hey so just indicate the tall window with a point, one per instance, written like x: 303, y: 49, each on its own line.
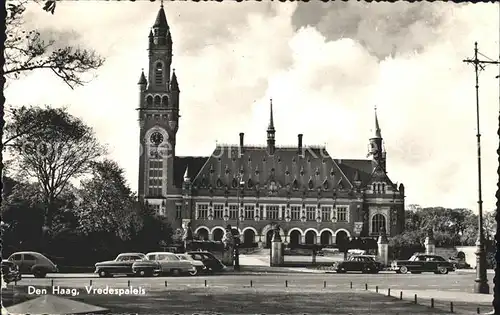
x: 295, y: 213
x: 178, y: 211
x: 155, y: 177
x: 325, y: 213
x: 272, y: 212
x: 378, y: 221
x: 159, y: 73
x: 310, y: 213
x: 218, y: 211
x: 342, y: 215
x: 202, y: 209
x: 249, y: 212
x: 233, y: 212
x: 157, y: 208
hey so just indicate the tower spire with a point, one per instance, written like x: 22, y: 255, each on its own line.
x: 270, y: 130
x: 378, y: 133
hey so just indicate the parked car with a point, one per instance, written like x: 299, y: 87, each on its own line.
x: 419, y: 263
x: 10, y: 271
x: 363, y: 263
x: 212, y: 263
x: 459, y: 263
x: 33, y: 263
x: 127, y: 264
x: 171, y: 264
x: 199, y: 265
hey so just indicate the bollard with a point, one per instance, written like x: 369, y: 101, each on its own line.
x: 205, y: 282
x: 351, y: 284
x: 389, y: 292
x: 90, y: 282
x: 366, y: 286
x: 128, y: 283
x: 376, y: 288
x: 415, y: 299
x: 432, y: 303
x: 478, y: 311
x: 286, y: 283
x: 52, y: 282
x: 451, y: 307
x: 166, y: 283
x: 251, y: 283
x: 15, y: 282
x: 401, y: 295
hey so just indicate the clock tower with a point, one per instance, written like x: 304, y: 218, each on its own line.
x: 158, y: 117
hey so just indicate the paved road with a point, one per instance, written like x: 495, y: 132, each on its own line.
x: 452, y: 282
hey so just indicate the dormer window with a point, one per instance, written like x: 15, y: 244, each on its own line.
x: 295, y: 184
x: 234, y: 183
x: 219, y: 183
x: 249, y: 183
x: 159, y: 73
x: 310, y: 184
x: 325, y: 185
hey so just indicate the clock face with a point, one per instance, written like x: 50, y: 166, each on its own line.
x: 156, y: 138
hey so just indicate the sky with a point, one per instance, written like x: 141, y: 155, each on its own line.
x: 325, y: 65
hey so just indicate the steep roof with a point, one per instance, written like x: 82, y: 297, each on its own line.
x: 316, y: 169
x: 161, y: 19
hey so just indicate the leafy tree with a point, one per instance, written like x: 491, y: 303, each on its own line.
x: 107, y: 204
x: 489, y: 224
x: 61, y: 150
x: 26, y: 51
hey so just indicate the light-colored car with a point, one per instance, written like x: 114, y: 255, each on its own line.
x: 34, y: 263
x: 199, y: 265
x: 171, y: 264
x: 127, y: 264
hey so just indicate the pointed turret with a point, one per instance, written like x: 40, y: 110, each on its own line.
x: 378, y: 133
x: 142, y: 79
x: 186, y: 175
x: 174, y: 85
x: 271, y: 132
x: 377, y: 150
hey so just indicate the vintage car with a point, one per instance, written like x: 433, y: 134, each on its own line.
x: 171, y: 264
x: 200, y: 266
x: 127, y: 264
x: 212, y: 263
x: 10, y: 271
x: 34, y: 263
x: 419, y: 263
x: 363, y: 263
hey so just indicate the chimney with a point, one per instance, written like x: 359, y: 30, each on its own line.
x: 299, y: 148
x: 241, y: 142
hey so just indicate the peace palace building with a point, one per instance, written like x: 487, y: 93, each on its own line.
x: 314, y: 197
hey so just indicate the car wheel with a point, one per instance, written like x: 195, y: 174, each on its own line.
x: 193, y: 272
x: 39, y: 273
x: 442, y: 270
x: 403, y: 269
x: 103, y: 274
x: 341, y: 270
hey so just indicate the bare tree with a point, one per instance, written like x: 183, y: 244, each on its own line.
x: 26, y: 50
x: 62, y: 149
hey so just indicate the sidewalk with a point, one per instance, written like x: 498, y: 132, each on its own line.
x: 466, y: 271
x: 458, y: 302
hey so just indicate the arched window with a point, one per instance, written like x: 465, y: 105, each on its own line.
x: 378, y: 222
x: 159, y: 73
x: 383, y: 188
x: 157, y: 101
x: 310, y: 184
x: 149, y: 100
x: 295, y: 184
x: 164, y: 101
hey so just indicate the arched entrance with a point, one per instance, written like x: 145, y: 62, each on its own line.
x: 326, y: 238
x: 341, y: 238
x: 202, y: 234
x: 310, y: 237
x: 248, y: 237
x: 295, y: 237
x: 218, y: 234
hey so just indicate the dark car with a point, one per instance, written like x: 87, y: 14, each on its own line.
x: 365, y: 264
x: 10, y: 271
x: 34, y: 263
x: 419, y: 263
x: 127, y: 264
x: 212, y: 263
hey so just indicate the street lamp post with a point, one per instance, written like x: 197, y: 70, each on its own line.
x: 481, y: 282
x: 237, y: 244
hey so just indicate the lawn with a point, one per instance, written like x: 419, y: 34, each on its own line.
x: 243, y: 301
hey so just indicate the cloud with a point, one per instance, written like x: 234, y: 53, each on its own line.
x: 324, y: 65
